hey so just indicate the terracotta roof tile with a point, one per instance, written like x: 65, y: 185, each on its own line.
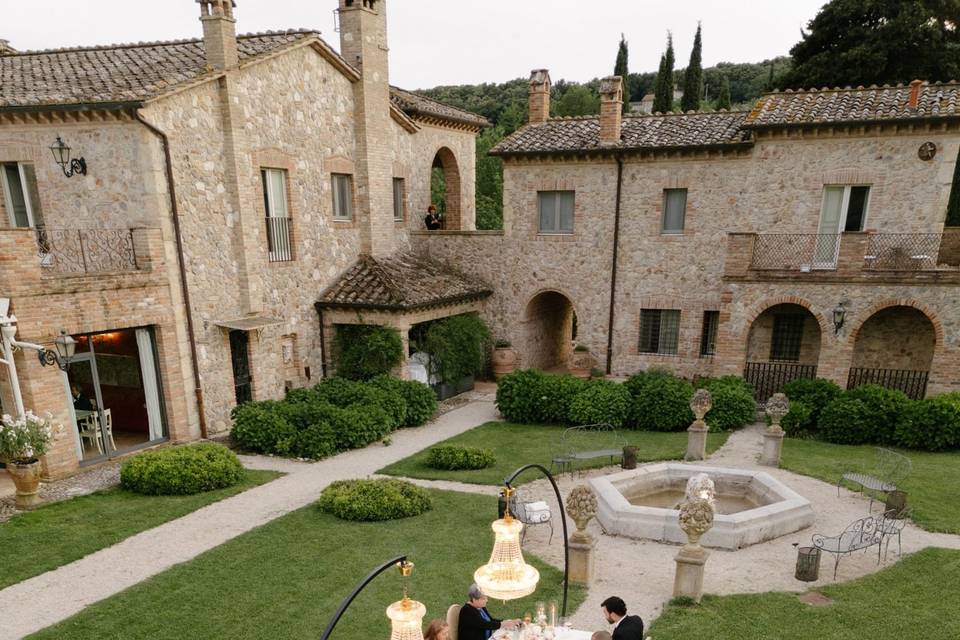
x: 401, y: 282
x: 568, y: 135
x: 416, y: 105
x: 827, y: 106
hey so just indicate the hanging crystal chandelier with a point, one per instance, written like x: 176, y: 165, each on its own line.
x: 506, y: 576
x: 406, y: 615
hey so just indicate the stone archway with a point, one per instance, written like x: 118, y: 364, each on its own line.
x: 445, y: 188
x: 547, y: 331
x: 894, y: 348
x: 783, y: 344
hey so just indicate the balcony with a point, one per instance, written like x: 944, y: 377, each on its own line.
x: 855, y: 255
x: 86, y: 251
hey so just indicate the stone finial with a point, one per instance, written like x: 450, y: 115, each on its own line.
x: 777, y: 406
x: 701, y: 487
x: 581, y: 507
x: 539, y: 99
x: 700, y: 403
x: 696, y: 518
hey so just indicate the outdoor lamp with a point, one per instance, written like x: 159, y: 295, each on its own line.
x: 506, y: 576
x: 61, y: 155
x: 839, y: 313
x: 406, y: 615
x: 65, y: 346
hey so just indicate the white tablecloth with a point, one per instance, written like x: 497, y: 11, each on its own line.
x: 561, y: 634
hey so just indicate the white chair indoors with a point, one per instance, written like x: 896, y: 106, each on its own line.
x: 89, y: 428
x: 108, y: 419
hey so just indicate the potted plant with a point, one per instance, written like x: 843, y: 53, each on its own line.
x: 504, y: 358
x: 22, y: 442
x: 581, y: 362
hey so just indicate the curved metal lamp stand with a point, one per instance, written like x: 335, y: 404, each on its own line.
x: 349, y: 599
x: 563, y: 521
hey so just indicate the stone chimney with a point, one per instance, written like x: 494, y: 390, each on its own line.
x: 5, y: 47
x: 914, y: 94
x: 539, y: 96
x: 363, y: 44
x: 219, y: 33
x: 611, y: 109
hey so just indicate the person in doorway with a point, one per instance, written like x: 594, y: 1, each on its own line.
x: 475, y: 622
x: 624, y: 627
x: 432, y: 220
x: 80, y: 401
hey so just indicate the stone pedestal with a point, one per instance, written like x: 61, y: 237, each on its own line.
x: 581, y: 558
x: 696, y: 441
x: 688, y: 580
x: 772, y: 446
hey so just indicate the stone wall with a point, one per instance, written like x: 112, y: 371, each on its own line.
x: 760, y: 339
x: 895, y: 338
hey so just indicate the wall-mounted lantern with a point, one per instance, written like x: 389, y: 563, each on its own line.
x: 61, y: 154
x: 839, y: 314
x: 65, y: 346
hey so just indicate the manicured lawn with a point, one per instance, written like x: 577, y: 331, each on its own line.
x: 286, y: 578
x: 517, y: 444
x: 911, y: 600
x: 931, y: 487
x: 57, y: 534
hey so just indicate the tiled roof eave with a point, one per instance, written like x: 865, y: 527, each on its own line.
x: 622, y: 150
x: 73, y: 106
x: 827, y: 124
x: 404, y: 307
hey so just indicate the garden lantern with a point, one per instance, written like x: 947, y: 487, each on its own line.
x: 61, y: 155
x: 65, y: 346
x: 506, y: 576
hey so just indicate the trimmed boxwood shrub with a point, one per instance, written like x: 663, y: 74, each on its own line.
x: 932, y: 424
x: 798, y: 422
x: 660, y: 402
x: 519, y: 395
x: 846, y: 420
x: 344, y: 393
x: 886, y: 407
x: 261, y: 428
x: 373, y: 500
x: 600, y: 401
x: 556, y: 399
x: 457, y: 458
x: 733, y: 403
x: 182, y: 470
x: 420, y: 400
x: 816, y: 393
x: 365, y: 351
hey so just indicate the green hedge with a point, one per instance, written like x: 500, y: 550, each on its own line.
x: 335, y: 415
x: 798, y: 422
x: 366, y: 351
x: 846, y: 420
x: 815, y: 393
x: 885, y: 409
x: 453, y: 458
x: 661, y: 402
x: 600, y: 401
x: 182, y: 470
x: 932, y: 424
x: 373, y: 500
x: 733, y: 403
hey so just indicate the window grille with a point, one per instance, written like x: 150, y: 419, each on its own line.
x: 787, y: 337
x: 279, y: 247
x: 708, y: 339
x: 659, y: 331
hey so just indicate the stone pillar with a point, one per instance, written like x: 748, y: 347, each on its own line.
x: 777, y: 407
x: 688, y: 580
x: 581, y: 507
x: 700, y: 404
x: 696, y: 518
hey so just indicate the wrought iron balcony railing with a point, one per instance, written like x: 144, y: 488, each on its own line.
x: 902, y: 252
x: 80, y: 251
x: 878, y: 251
x: 795, y: 251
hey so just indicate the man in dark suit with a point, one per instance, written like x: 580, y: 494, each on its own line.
x: 475, y: 622
x: 624, y: 627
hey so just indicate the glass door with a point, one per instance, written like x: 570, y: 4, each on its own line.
x: 84, y: 394
x: 827, y: 245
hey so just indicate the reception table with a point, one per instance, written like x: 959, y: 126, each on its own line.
x: 560, y: 634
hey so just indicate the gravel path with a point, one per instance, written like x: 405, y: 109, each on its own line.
x: 54, y: 596
x: 642, y: 571
x: 102, y: 476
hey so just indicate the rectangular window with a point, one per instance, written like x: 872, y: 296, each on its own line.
x: 555, y: 210
x: 674, y: 210
x: 20, y: 195
x: 659, y: 331
x: 708, y: 340
x: 342, y: 196
x: 787, y: 337
x: 278, y: 216
x: 399, y: 190
x: 844, y: 209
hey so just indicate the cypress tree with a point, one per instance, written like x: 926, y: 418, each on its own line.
x: 663, y: 96
x: 693, y: 78
x: 620, y: 69
x: 723, y: 102
x: 769, y: 86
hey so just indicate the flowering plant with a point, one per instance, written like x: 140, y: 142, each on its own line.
x: 24, y: 440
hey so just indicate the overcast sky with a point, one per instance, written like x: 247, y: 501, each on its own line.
x: 435, y: 42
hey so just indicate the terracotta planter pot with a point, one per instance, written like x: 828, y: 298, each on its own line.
x: 504, y: 361
x: 580, y: 364
x: 26, y: 477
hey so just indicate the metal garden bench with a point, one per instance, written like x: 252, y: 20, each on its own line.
x: 587, y: 442
x: 862, y: 534
x: 891, y: 469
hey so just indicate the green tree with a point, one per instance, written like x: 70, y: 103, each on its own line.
x: 864, y: 42
x: 770, y: 83
x: 489, y: 188
x: 693, y: 77
x: 620, y: 69
x: 578, y: 100
x: 723, y: 102
x: 663, y: 92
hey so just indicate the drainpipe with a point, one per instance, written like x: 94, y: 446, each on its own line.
x: 323, y: 345
x: 181, y: 264
x: 613, y: 267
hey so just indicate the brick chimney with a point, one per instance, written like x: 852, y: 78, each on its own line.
x: 611, y: 109
x: 539, y: 96
x: 914, y: 94
x: 219, y: 33
x: 5, y: 47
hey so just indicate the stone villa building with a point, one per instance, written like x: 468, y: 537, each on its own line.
x: 243, y: 195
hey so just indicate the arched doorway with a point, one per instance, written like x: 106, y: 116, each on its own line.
x: 445, y: 187
x: 894, y: 349
x: 783, y: 344
x: 548, y: 331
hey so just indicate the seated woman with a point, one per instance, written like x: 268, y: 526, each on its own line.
x: 438, y: 630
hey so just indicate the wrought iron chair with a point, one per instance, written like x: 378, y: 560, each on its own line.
x: 891, y: 524
x: 861, y: 534
x: 892, y: 468
x: 530, y: 512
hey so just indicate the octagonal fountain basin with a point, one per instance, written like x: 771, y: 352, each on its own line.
x: 751, y: 506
